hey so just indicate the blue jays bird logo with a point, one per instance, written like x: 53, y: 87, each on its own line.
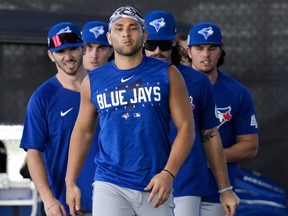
x: 158, y: 24
x: 223, y: 114
x: 206, y: 32
x: 64, y: 30
x: 97, y: 31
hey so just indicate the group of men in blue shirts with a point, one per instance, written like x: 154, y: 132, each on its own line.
x: 138, y: 122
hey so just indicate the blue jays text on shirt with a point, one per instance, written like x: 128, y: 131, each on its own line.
x: 130, y: 94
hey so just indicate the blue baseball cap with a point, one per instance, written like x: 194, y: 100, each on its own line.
x: 95, y: 32
x: 160, y: 25
x: 64, y: 35
x: 205, y: 33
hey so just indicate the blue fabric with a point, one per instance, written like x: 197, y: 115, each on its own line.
x: 236, y: 114
x: 65, y: 27
x: 192, y: 178
x: 134, y: 119
x: 205, y: 33
x: 50, y: 117
x: 160, y: 25
x: 259, y: 195
x: 95, y: 32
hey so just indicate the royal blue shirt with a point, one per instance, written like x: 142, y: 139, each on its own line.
x: 236, y: 116
x: 192, y: 179
x: 50, y: 117
x: 134, y: 118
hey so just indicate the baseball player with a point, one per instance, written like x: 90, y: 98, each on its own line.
x: 193, y: 178
x: 96, y: 50
x: 234, y: 107
x: 133, y: 97
x: 50, y: 116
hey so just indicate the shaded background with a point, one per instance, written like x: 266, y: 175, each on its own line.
x: 255, y: 36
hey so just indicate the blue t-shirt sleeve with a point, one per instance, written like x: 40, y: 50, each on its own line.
x: 35, y: 127
x: 246, y: 122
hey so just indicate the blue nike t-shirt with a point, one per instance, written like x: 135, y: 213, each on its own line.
x: 236, y: 116
x: 134, y: 119
x: 50, y: 117
x: 193, y: 177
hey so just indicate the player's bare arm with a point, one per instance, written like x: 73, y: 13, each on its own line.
x: 213, y: 148
x: 246, y: 148
x: 182, y: 116
x: 37, y: 171
x: 183, y: 119
x: 81, y: 137
x: 217, y: 162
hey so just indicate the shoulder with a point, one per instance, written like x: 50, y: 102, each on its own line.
x: 154, y: 61
x: 102, y: 67
x: 232, y: 84
x: 193, y: 75
x: 47, y: 88
x: 230, y: 81
x: 45, y: 92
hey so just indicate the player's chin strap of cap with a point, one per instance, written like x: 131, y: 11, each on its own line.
x: 127, y: 12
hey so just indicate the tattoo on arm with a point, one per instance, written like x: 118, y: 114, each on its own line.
x: 206, y: 135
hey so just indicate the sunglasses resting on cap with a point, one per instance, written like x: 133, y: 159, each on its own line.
x: 164, y: 45
x: 64, y: 38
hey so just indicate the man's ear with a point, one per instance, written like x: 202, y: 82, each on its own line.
x: 111, y: 50
x: 220, y: 53
x: 50, y: 54
x: 174, y: 42
x: 145, y: 36
x: 188, y: 49
x: 108, y: 35
x: 84, y: 49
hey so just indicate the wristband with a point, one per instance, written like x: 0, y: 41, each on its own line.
x: 225, y: 189
x: 169, y: 173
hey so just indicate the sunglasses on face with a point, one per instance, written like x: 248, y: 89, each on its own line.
x: 63, y: 38
x: 164, y: 45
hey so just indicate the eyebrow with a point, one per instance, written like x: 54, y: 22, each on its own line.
x: 99, y: 45
x: 131, y: 24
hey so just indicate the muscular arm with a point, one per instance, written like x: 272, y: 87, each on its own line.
x: 245, y: 148
x: 80, y: 142
x: 38, y: 174
x: 182, y: 116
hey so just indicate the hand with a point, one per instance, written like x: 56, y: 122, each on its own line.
x: 161, y: 185
x: 54, y: 208
x: 73, y: 197
x: 229, y: 200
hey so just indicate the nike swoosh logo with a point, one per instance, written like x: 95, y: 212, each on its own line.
x: 125, y: 80
x: 65, y: 113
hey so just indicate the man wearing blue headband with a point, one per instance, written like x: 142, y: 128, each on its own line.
x: 133, y: 97
x: 50, y: 116
x: 193, y: 178
x: 234, y: 108
x: 96, y: 50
